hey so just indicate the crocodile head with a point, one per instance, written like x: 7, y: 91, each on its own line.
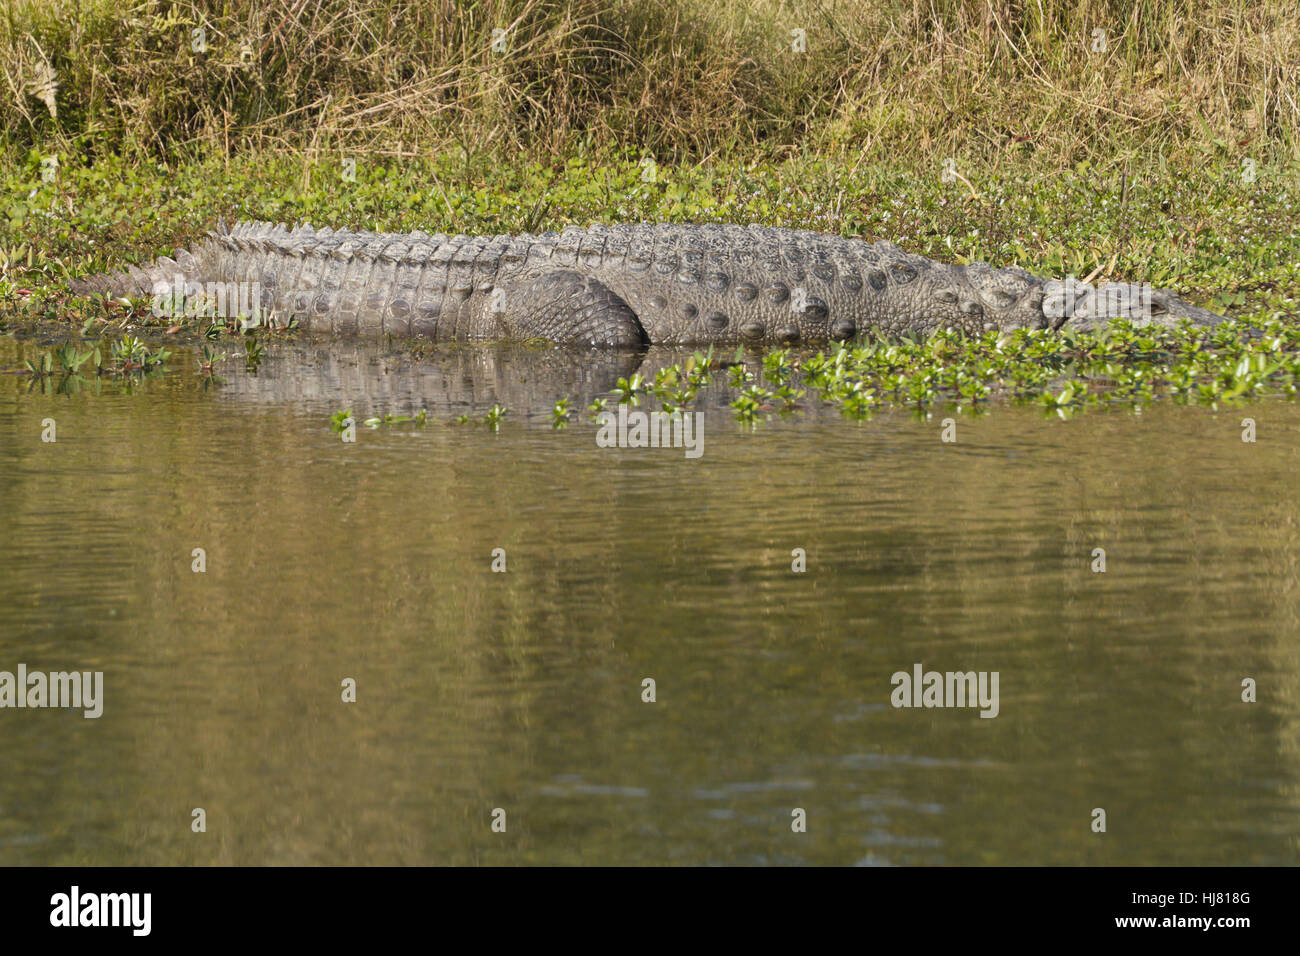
x: 1015, y: 299
x: 1083, y: 307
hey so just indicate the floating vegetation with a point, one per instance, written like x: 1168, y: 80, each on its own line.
x: 419, y: 418
x: 629, y: 390
x: 209, y: 361
x: 340, y: 421
x: 561, y: 413
x: 1063, y: 372
x: 65, y: 370
x: 254, y: 352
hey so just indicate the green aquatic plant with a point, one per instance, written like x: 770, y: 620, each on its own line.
x: 128, y: 355
x: 65, y: 359
x: 1063, y: 372
x: 1068, y: 400
x: 341, y: 420
x: 42, y: 365
x: 629, y: 390
x: 561, y: 412
x: 699, y: 368
x: 738, y: 376
x: 375, y: 421
x: 210, y: 359
x: 750, y: 402
x: 129, y: 358
x: 777, y: 366
x: 254, y: 352
x: 128, y: 350
x: 788, y: 396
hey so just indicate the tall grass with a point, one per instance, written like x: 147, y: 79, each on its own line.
x: 912, y: 81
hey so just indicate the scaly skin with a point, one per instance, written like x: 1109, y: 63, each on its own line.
x: 622, y: 285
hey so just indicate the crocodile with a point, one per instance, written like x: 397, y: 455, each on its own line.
x: 626, y: 285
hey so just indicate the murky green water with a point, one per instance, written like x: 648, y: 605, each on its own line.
x: 523, y: 690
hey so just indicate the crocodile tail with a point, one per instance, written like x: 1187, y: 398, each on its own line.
x: 135, y: 282
x: 150, y: 279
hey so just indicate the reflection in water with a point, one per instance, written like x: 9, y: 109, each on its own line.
x: 523, y: 690
x: 384, y: 379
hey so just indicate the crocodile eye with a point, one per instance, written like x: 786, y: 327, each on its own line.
x: 947, y: 296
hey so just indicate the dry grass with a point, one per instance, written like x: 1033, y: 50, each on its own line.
x: 910, y: 81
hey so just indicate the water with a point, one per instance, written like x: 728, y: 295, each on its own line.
x: 523, y: 690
